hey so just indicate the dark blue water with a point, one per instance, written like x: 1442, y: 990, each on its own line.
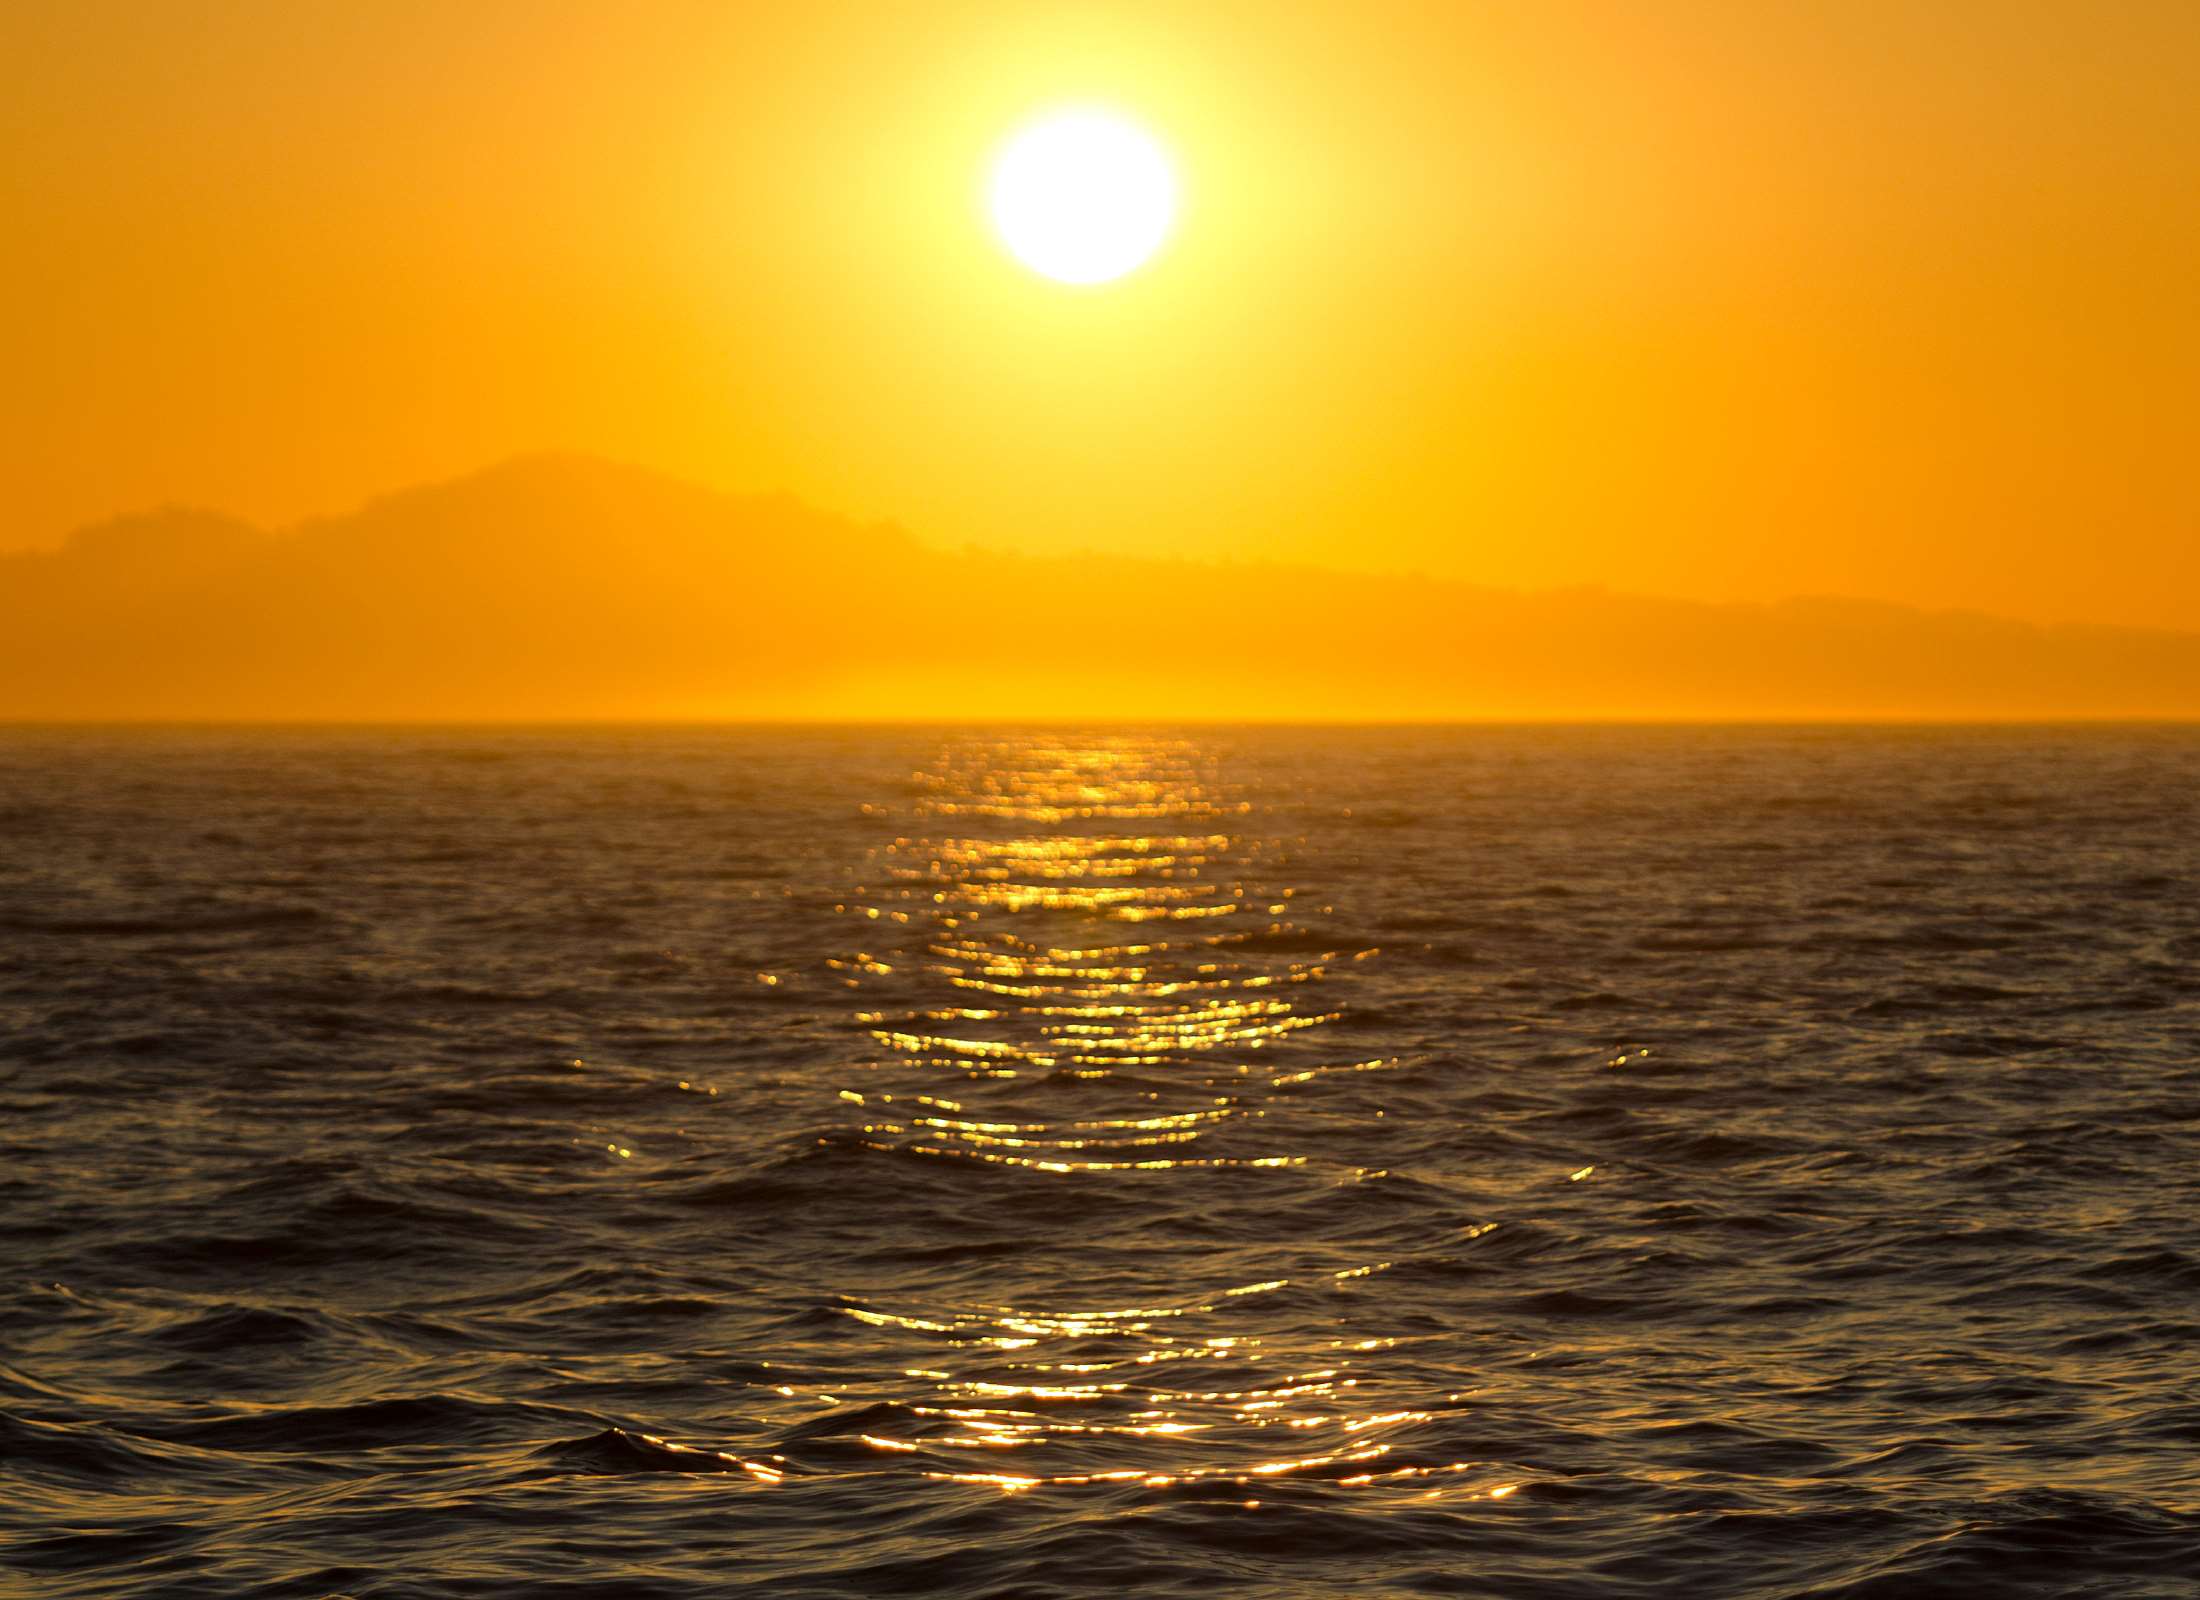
x: 1520, y: 1163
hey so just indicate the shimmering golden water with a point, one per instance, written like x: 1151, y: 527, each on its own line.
x: 1117, y: 917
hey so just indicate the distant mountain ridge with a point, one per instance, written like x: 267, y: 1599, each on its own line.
x: 564, y: 586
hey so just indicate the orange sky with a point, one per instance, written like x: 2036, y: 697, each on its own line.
x: 1722, y: 300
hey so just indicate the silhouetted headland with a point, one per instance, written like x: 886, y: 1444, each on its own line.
x: 562, y: 586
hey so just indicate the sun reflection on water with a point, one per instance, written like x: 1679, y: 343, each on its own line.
x: 1077, y: 958
x: 1008, y: 893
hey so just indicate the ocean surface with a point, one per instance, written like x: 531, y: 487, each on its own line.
x: 1505, y: 1162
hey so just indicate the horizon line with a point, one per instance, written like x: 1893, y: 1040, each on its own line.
x: 828, y: 724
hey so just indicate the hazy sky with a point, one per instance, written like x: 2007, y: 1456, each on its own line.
x: 1872, y: 297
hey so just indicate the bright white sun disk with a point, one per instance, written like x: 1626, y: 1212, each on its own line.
x: 1083, y: 196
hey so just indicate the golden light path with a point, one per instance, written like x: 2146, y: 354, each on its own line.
x: 1083, y: 196
x: 1090, y: 970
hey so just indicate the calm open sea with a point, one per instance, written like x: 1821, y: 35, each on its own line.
x: 1500, y: 1162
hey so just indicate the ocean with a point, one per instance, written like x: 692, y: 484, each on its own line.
x: 1514, y: 1162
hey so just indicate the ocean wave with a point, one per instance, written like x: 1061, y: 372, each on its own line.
x: 1043, y: 1163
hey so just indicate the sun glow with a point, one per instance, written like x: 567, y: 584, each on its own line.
x: 1083, y: 196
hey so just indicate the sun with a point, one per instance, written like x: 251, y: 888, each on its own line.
x: 1082, y: 196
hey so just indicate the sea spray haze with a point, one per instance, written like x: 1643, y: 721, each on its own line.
x: 1517, y: 1163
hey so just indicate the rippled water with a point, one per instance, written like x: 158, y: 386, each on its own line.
x: 1480, y: 1162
